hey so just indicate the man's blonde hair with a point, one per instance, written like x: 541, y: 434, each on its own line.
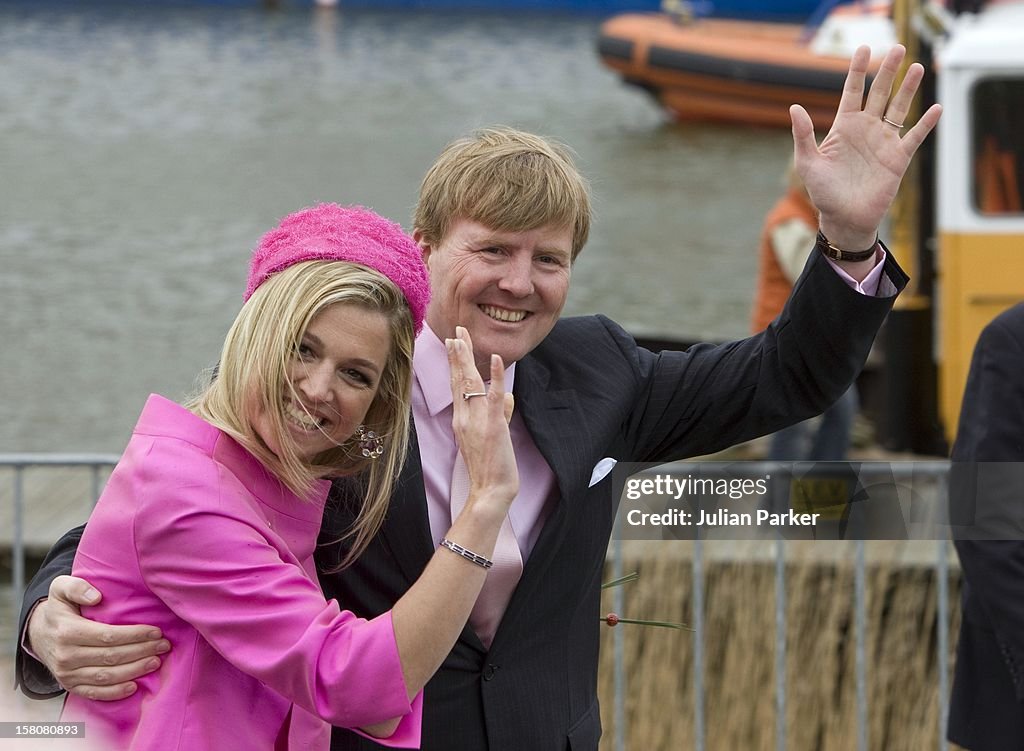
x: 252, y: 377
x: 507, y: 180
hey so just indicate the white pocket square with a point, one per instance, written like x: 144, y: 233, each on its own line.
x: 601, y: 470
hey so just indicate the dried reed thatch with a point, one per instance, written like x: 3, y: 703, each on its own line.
x: 739, y: 659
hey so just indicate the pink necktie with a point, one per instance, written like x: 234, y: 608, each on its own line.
x: 502, y: 577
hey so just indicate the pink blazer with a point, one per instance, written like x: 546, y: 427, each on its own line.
x: 193, y: 535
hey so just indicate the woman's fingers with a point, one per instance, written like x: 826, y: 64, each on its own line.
x: 463, y: 375
x: 510, y: 405
x: 497, y: 380
x: 480, y: 417
x: 466, y: 383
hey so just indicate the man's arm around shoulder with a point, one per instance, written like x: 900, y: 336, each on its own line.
x: 59, y: 649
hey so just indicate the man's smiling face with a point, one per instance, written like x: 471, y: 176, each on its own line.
x: 506, y: 288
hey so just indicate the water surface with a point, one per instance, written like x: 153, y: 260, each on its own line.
x: 144, y: 151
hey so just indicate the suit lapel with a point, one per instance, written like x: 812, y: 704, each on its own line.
x: 551, y: 418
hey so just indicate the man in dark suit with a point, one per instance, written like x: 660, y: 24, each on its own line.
x: 501, y: 218
x: 986, y: 710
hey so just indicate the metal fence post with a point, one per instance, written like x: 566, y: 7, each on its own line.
x: 18, y: 544
x: 698, y: 644
x: 618, y: 638
x: 861, y: 638
x: 780, y: 643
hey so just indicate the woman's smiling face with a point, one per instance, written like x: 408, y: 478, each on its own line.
x: 334, y: 375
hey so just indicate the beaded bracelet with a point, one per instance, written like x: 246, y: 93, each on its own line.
x: 469, y: 555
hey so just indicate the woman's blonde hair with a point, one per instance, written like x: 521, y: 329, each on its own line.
x: 252, y: 378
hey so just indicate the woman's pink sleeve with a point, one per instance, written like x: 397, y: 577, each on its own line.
x: 211, y: 558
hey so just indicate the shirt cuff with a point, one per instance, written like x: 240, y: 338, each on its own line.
x: 24, y: 634
x: 872, y: 285
x: 35, y: 676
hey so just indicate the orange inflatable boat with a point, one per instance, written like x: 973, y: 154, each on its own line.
x: 742, y: 71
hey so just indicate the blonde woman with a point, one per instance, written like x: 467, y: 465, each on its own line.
x: 207, y: 527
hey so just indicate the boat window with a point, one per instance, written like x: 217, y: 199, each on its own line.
x: 998, y: 127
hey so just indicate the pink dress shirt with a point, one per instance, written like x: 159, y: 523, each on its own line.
x: 432, y: 413
x: 875, y: 284
x: 193, y: 535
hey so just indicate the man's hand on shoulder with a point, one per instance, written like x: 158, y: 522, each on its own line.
x: 92, y: 660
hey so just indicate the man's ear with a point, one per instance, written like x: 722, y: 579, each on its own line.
x: 425, y: 247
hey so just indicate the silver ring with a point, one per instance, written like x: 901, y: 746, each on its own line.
x: 887, y: 121
x: 471, y: 394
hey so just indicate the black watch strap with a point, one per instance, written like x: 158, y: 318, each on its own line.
x: 838, y: 254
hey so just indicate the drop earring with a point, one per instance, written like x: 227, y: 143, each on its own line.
x: 370, y: 444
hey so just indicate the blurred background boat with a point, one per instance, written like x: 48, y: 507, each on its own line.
x: 774, y: 10
x: 749, y: 72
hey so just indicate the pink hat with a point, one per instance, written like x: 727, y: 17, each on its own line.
x: 329, y: 232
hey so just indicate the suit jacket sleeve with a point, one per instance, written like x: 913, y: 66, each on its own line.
x: 31, y: 675
x: 986, y: 481
x: 711, y: 397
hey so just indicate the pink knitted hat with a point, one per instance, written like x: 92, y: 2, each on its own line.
x: 329, y: 232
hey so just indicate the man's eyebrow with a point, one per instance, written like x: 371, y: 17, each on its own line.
x: 492, y: 241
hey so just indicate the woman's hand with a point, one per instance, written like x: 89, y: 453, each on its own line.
x: 480, y: 419
x: 430, y: 616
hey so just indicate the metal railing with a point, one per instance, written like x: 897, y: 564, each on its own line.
x: 96, y: 463
x: 937, y: 471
